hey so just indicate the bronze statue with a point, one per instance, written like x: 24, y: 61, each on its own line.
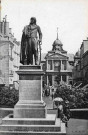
x: 31, y: 38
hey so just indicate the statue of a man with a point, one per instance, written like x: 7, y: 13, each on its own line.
x: 31, y: 37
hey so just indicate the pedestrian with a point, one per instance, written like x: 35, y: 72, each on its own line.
x: 67, y: 109
x: 66, y: 112
x: 48, y: 91
x: 52, y: 94
x: 43, y: 93
x: 65, y: 120
x: 60, y: 111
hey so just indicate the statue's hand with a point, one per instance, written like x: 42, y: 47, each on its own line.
x: 40, y: 42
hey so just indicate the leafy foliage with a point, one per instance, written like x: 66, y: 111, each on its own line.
x: 77, y: 98
x: 8, y: 97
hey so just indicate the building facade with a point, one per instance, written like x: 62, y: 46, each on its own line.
x: 76, y: 73
x: 80, y: 70
x: 58, y: 65
x: 9, y: 55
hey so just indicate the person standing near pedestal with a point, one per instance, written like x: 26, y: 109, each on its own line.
x: 60, y: 110
x: 31, y: 37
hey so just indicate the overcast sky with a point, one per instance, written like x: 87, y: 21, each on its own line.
x: 70, y: 16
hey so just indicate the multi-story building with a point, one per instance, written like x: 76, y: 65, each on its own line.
x: 84, y: 60
x: 84, y: 47
x: 9, y: 55
x: 58, y: 64
x: 80, y: 70
x: 76, y: 72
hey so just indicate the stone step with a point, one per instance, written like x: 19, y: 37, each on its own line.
x: 28, y: 122
x: 49, y: 120
x: 36, y: 128
x: 30, y: 133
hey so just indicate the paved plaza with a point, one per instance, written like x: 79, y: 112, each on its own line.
x: 49, y: 102
x: 75, y: 126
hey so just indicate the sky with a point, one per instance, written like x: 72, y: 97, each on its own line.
x: 70, y: 16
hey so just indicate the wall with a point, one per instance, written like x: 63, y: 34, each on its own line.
x: 4, y: 112
x: 9, y: 50
x: 4, y: 61
x: 85, y: 45
x: 79, y: 113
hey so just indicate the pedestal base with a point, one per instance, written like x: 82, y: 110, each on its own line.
x: 32, y: 126
x: 30, y: 104
x: 32, y: 109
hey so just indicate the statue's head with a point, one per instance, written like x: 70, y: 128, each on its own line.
x: 33, y: 20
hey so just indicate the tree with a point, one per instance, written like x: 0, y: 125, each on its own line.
x: 76, y: 98
x: 8, y: 97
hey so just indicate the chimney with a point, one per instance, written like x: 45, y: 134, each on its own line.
x: 6, y: 28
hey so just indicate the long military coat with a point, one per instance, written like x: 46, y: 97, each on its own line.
x: 30, y: 31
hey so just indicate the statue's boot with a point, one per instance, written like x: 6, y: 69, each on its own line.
x: 36, y: 60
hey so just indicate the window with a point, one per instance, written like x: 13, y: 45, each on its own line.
x: 10, y: 52
x: 11, y: 72
x: 49, y: 64
x: 57, y: 65
x: 64, y: 66
x: 64, y: 78
x: 50, y: 80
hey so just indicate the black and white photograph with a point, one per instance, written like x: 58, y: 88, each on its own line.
x: 43, y: 67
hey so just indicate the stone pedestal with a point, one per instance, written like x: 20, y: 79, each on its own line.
x: 29, y: 116
x: 30, y: 104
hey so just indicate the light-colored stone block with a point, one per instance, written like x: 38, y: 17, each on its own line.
x: 49, y: 120
x: 30, y: 110
x: 30, y: 90
x: 30, y: 103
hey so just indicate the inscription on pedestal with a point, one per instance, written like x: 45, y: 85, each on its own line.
x: 30, y: 90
